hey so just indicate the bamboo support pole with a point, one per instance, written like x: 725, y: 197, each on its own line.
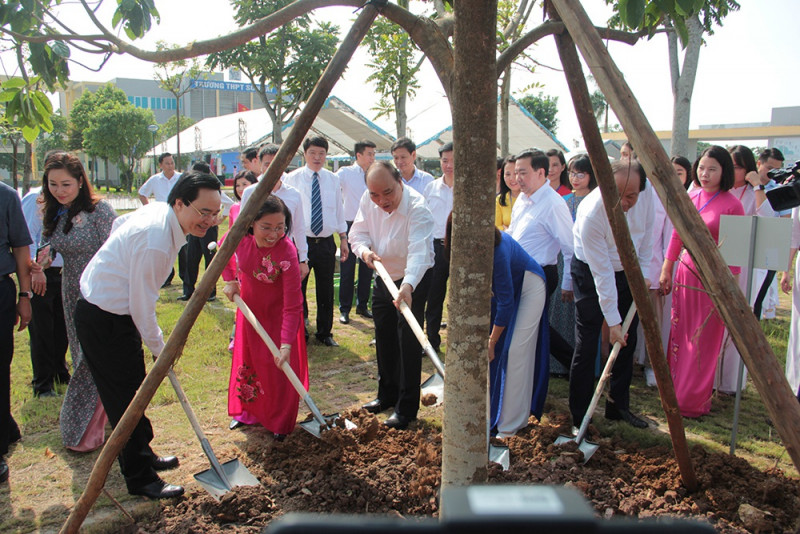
x: 734, y: 309
x: 627, y: 253
x: 177, y: 339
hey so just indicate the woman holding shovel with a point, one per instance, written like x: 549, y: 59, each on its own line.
x: 266, y: 274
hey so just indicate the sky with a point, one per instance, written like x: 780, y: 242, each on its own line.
x: 747, y: 67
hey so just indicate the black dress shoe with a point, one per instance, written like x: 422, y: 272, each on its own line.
x: 363, y: 312
x: 344, y: 318
x: 397, y: 421
x: 3, y: 470
x: 278, y: 437
x: 212, y: 298
x: 235, y: 424
x: 164, y: 463
x: 375, y: 406
x: 184, y: 297
x: 46, y: 394
x: 615, y: 414
x: 328, y: 341
x: 157, y: 490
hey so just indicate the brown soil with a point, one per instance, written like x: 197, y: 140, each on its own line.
x: 375, y: 470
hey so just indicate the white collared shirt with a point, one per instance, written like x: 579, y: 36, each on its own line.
x: 402, y: 239
x: 595, y: 246
x: 330, y: 194
x: 353, y: 182
x: 126, y: 274
x: 439, y: 197
x: 419, y: 180
x: 747, y: 196
x: 32, y: 211
x: 291, y: 197
x: 159, y: 186
x: 542, y: 224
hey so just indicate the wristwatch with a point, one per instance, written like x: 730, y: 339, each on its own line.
x: 26, y: 294
x: 760, y: 187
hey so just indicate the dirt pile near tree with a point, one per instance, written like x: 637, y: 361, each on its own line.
x: 379, y: 471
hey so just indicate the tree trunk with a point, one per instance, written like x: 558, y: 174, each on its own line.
x: 178, y: 136
x: 474, y: 109
x: 27, y: 169
x: 717, y: 280
x: 683, y: 85
x: 505, y: 99
x: 400, y: 114
x: 15, y: 161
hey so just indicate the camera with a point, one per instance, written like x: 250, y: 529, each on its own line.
x: 787, y: 195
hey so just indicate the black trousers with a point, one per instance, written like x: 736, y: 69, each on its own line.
x: 762, y: 293
x: 321, y: 260
x: 112, y: 347
x: 347, y: 281
x: 8, y: 314
x: 436, y: 295
x: 560, y: 348
x: 196, y: 248
x: 181, y: 266
x: 48, y: 336
x: 399, y: 353
x: 588, y: 326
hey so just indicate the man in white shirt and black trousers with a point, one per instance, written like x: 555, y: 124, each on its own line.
x: 324, y: 215
x: 117, y: 312
x: 601, y: 292
x: 394, y: 226
x: 542, y: 225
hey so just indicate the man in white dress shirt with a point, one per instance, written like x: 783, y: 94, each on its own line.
x: 117, y: 312
x: 541, y: 223
x: 324, y: 214
x: 394, y: 225
x: 439, y: 196
x: 291, y: 197
x: 404, y: 153
x: 602, y: 292
x: 352, y: 179
x: 158, y: 186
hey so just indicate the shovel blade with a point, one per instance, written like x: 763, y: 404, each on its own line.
x: 500, y: 455
x: 313, y: 427
x: 237, y: 474
x: 586, y: 447
x: 434, y: 385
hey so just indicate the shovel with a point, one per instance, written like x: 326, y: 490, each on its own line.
x: 587, y: 447
x: 318, y: 423
x: 435, y: 384
x: 221, y: 478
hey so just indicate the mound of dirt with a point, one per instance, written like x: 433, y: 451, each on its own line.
x: 381, y: 471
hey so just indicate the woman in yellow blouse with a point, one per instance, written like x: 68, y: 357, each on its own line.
x: 509, y: 190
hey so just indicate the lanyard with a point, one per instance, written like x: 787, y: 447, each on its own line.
x: 707, y: 201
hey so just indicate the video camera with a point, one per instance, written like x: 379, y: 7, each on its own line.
x: 787, y: 195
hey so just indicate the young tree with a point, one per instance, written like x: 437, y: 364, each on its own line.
x: 119, y: 134
x: 286, y: 62
x: 170, y: 128
x: 543, y: 107
x: 685, y: 21
x: 175, y: 76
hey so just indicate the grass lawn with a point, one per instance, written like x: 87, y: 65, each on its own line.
x: 46, y: 479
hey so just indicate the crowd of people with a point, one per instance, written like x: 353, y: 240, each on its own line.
x: 89, y: 280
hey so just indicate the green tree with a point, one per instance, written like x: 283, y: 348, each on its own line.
x: 175, y: 77
x: 685, y: 21
x: 56, y: 140
x: 170, y: 128
x: 543, y: 107
x: 287, y: 62
x: 119, y: 134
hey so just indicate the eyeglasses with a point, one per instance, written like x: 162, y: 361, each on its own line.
x: 578, y: 175
x: 205, y: 214
x: 277, y: 230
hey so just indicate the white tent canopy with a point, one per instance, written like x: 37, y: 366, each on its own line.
x: 340, y: 124
x: 524, y: 132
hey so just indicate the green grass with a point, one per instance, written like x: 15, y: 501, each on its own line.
x: 46, y: 480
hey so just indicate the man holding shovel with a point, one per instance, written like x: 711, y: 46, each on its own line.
x: 117, y: 313
x: 601, y: 292
x: 394, y: 226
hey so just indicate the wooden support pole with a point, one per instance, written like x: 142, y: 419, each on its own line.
x: 474, y: 107
x: 177, y: 339
x: 627, y: 254
x: 734, y: 309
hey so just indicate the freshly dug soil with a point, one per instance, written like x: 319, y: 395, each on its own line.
x: 380, y: 471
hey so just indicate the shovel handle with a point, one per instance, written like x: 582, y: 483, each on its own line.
x: 409, y: 316
x: 601, y: 384
x: 198, y: 430
x: 285, y: 367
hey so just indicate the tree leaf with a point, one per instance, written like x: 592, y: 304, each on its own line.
x: 60, y: 49
x: 632, y: 12
x: 13, y: 83
x: 30, y: 133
